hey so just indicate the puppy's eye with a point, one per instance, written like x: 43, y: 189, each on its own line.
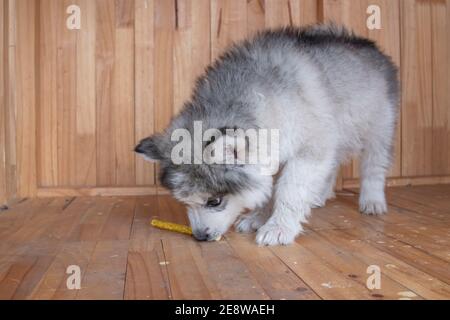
x: 214, y: 202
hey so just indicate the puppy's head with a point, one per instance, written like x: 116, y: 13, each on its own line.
x: 215, y: 193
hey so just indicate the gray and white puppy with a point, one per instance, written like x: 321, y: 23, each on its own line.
x: 331, y: 95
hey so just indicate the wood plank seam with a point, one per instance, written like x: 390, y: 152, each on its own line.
x: 164, y: 265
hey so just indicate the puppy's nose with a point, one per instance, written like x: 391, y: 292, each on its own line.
x: 139, y: 148
x: 200, y: 236
x: 206, y: 235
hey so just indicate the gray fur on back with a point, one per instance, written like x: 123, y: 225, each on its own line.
x: 271, y: 64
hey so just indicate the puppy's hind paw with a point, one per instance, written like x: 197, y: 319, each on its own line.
x: 272, y: 234
x: 249, y: 223
x: 372, y: 207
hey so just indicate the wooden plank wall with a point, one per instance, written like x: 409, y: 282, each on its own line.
x: 74, y: 102
x: 18, y: 96
x: 3, y: 64
x: 426, y: 115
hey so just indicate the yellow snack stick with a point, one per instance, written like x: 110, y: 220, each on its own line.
x: 171, y: 226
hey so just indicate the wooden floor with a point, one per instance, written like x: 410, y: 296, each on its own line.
x: 122, y: 257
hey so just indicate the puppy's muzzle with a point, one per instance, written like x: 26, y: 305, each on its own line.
x: 205, y: 235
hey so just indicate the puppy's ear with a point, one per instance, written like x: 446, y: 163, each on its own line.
x: 151, y: 148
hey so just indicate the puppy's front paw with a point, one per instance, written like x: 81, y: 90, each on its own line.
x: 249, y: 222
x: 272, y: 234
x: 372, y: 207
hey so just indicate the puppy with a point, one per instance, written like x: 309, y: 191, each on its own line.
x: 327, y: 94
